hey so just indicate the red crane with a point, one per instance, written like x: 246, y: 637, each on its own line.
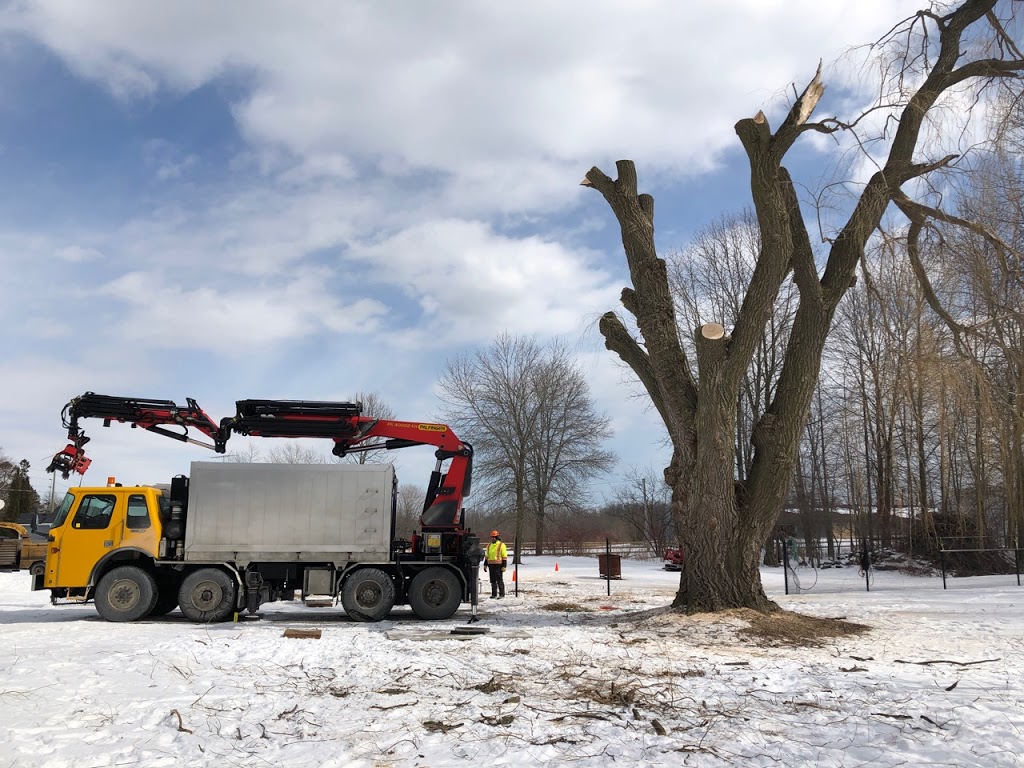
x: 339, y: 421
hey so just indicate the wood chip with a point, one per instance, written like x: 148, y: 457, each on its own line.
x: 309, y: 634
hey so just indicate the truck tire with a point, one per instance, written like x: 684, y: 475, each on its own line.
x: 37, y: 568
x: 435, y: 594
x: 368, y: 595
x: 207, y: 595
x: 126, y: 593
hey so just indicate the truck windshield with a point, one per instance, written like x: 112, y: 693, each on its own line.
x: 62, y: 513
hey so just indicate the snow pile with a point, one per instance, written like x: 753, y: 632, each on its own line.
x: 566, y: 675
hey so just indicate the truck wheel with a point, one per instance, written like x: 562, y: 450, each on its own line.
x: 207, y: 595
x: 38, y: 567
x: 368, y: 595
x: 435, y: 593
x: 125, y: 594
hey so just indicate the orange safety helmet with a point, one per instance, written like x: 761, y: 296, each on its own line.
x: 494, y: 533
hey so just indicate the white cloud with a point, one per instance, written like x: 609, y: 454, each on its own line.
x: 471, y: 283
x: 166, y: 315
x: 475, y: 92
x: 77, y: 254
x: 399, y: 191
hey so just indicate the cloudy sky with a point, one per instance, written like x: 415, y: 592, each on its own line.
x: 309, y: 200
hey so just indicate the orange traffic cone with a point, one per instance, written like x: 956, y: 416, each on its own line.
x: 556, y: 567
x: 513, y: 575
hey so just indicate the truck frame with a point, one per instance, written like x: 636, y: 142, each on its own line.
x: 144, y: 550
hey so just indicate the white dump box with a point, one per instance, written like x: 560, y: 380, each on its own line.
x: 289, y: 512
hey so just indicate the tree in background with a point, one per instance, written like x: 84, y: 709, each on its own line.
x: 409, y: 509
x: 247, y: 453
x: 294, y: 452
x: 20, y: 497
x: 722, y: 520
x: 537, y: 437
x: 645, y: 504
x: 7, y: 470
x: 708, y: 279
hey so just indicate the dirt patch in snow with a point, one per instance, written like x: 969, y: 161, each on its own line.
x: 776, y: 629
x: 565, y: 608
x: 784, y: 628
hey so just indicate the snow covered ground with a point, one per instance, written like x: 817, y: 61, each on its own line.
x: 567, y: 676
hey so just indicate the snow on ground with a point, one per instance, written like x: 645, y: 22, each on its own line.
x: 567, y: 676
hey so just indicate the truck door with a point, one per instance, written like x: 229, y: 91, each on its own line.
x: 93, y: 531
x: 140, y: 531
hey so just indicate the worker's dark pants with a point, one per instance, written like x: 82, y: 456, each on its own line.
x: 497, y: 580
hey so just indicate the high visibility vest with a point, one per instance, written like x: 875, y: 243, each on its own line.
x: 497, y: 553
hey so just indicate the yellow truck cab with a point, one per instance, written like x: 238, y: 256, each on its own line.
x: 96, y: 533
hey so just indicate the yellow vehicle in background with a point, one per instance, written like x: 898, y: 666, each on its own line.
x: 18, y: 551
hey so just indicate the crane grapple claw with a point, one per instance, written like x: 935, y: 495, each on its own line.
x: 71, y: 459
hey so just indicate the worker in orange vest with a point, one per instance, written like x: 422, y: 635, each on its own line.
x: 497, y: 560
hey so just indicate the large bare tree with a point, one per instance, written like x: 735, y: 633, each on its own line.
x: 723, y: 521
x: 535, y: 429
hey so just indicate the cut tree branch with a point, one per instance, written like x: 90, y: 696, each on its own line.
x: 799, y: 114
x: 620, y: 341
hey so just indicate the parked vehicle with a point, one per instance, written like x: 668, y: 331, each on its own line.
x: 18, y: 551
x: 674, y: 559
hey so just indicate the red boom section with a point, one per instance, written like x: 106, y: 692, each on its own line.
x: 354, y: 433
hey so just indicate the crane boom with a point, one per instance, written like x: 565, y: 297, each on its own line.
x: 341, y: 422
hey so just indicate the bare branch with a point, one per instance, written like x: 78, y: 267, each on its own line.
x: 1002, y: 36
x: 915, y: 210
x: 917, y: 223
x: 619, y: 340
x: 805, y: 273
x: 985, y: 68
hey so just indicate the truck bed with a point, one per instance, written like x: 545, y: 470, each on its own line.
x: 289, y: 512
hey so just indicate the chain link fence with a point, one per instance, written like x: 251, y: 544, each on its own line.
x: 874, y: 567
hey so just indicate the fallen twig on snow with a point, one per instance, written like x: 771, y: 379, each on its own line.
x: 394, y: 706
x: 181, y: 724
x: 948, y: 661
